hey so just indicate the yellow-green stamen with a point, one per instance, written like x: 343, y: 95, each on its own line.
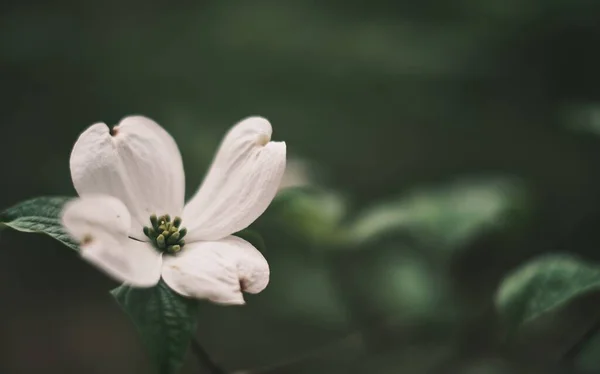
x: 164, y: 234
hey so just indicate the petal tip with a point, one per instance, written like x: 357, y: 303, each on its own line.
x: 238, y: 300
x: 95, y: 131
x: 257, y: 119
x: 131, y: 122
x: 259, y: 282
x: 134, y: 117
x: 258, y: 124
x: 263, y: 139
x: 281, y: 144
x: 278, y: 153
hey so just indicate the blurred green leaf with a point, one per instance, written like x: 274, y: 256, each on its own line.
x: 39, y: 215
x: 403, y: 285
x: 313, y: 213
x: 583, y: 117
x: 410, y: 281
x: 165, y: 320
x: 544, y: 285
x: 298, y: 173
x: 588, y: 359
x: 449, y: 216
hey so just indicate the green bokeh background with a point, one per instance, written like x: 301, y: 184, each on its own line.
x: 381, y: 99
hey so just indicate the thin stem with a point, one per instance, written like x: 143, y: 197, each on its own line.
x: 204, y: 358
x: 573, y: 352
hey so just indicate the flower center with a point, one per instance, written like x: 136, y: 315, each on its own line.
x: 166, y: 235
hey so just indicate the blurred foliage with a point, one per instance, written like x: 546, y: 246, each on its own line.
x: 544, y: 284
x: 39, y: 215
x: 445, y: 217
x: 439, y: 142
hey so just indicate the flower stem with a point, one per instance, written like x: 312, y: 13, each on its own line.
x: 204, y: 358
x: 571, y: 355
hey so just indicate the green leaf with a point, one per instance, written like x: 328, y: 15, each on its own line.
x: 588, y: 359
x: 165, y: 320
x: 544, y: 285
x: 582, y: 117
x: 254, y: 238
x: 39, y: 215
x: 314, y: 213
x: 450, y: 215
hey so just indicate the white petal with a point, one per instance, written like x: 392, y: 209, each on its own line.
x: 139, y: 164
x: 240, y: 184
x: 218, y: 271
x: 101, y: 224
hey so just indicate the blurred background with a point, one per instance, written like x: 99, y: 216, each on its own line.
x: 434, y: 146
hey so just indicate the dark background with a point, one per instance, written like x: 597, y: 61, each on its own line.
x: 381, y: 99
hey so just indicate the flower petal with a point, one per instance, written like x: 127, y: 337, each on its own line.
x: 137, y: 162
x: 101, y: 224
x: 240, y: 184
x: 218, y: 271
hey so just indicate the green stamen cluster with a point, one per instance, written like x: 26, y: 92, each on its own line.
x: 166, y: 235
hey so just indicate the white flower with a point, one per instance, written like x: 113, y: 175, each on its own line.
x: 125, y: 175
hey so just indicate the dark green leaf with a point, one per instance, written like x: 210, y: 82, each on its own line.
x: 450, y: 215
x: 39, y: 215
x: 165, y: 320
x: 544, y: 285
x: 588, y: 360
x: 254, y: 238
